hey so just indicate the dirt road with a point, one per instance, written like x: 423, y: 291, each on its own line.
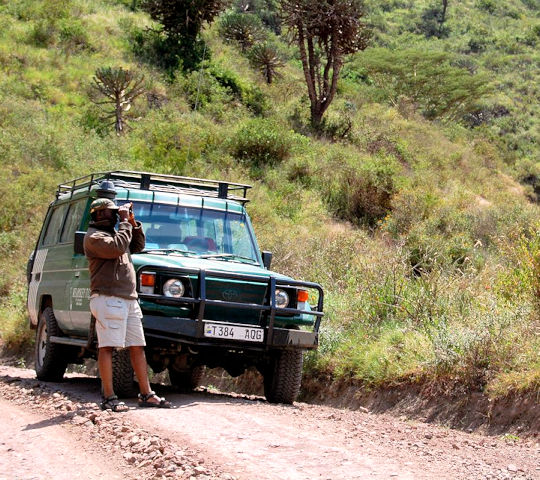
x: 56, y: 431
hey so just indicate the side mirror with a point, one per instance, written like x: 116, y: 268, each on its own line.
x: 78, y: 245
x: 267, y: 259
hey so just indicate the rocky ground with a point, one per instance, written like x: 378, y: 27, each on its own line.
x: 56, y: 430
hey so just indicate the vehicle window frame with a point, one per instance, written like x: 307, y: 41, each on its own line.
x: 56, y: 238
x: 71, y: 237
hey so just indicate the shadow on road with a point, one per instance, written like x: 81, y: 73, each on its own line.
x: 83, y: 388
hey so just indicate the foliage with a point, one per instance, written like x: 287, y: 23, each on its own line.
x: 325, y: 32
x: 182, y: 18
x: 261, y: 142
x: 181, y: 21
x: 266, y: 58
x: 167, y: 53
x: 433, y: 20
x: 266, y: 10
x: 244, y: 28
x: 120, y: 87
x: 213, y: 84
x: 427, y: 79
x: 360, y: 191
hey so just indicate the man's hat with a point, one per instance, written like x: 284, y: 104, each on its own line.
x: 102, y: 204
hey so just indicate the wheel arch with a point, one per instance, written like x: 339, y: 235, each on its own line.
x: 44, y: 302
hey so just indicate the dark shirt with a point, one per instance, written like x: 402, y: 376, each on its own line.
x: 111, y: 269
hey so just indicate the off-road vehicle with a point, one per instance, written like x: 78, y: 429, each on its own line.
x: 205, y: 290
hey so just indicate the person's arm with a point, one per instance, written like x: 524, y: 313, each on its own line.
x: 104, y: 245
x: 138, y: 239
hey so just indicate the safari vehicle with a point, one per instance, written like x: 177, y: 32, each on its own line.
x: 206, y: 292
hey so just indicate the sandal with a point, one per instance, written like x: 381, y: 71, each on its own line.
x: 113, y: 404
x: 144, y: 401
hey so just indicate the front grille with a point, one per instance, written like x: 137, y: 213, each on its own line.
x: 236, y: 292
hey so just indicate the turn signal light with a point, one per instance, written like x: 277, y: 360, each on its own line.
x: 302, y: 295
x: 148, y: 279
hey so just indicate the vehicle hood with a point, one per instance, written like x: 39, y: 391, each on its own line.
x: 141, y: 260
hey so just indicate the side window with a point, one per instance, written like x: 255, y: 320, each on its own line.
x: 73, y: 220
x: 55, y: 224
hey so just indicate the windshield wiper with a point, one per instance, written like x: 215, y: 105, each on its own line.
x: 231, y: 256
x: 166, y: 251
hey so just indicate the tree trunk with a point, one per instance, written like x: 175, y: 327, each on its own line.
x: 119, y: 113
x: 443, y: 16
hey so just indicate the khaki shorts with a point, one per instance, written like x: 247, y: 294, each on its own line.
x: 118, y: 321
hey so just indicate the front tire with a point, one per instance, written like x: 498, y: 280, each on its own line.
x: 123, y: 381
x: 283, y: 376
x: 50, y: 362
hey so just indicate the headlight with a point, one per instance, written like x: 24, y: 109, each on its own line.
x: 173, y: 288
x: 282, y: 299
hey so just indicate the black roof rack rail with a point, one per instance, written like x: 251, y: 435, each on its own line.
x: 161, y: 183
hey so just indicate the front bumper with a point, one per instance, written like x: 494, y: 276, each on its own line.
x: 191, y: 330
x: 186, y: 331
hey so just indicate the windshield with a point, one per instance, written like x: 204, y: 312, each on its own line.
x: 196, y: 231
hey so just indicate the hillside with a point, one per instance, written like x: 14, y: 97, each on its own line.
x: 415, y: 208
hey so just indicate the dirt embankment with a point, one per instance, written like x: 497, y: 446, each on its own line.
x: 451, y: 406
x: 211, y: 435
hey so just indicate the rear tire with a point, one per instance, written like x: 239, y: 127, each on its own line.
x: 187, y: 380
x: 50, y: 361
x: 123, y: 381
x: 283, y: 376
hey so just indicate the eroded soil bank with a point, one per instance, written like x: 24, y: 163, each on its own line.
x: 515, y: 414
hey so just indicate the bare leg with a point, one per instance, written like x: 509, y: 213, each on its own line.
x: 138, y: 362
x: 105, y: 370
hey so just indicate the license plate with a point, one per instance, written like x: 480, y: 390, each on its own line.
x: 233, y: 332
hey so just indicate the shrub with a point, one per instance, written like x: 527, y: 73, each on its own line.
x: 214, y: 84
x: 169, y: 147
x: 261, y: 142
x: 361, y: 193
x: 265, y: 58
x: 73, y: 36
x: 244, y: 28
x: 43, y: 34
x: 167, y: 53
x: 488, y: 6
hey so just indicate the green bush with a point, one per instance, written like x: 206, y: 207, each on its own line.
x: 168, y: 53
x: 244, y: 28
x: 214, y: 85
x: 260, y: 142
x: 43, y: 34
x: 73, y: 36
x: 361, y: 192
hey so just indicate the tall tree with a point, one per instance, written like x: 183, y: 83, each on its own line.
x: 183, y: 19
x: 120, y: 88
x: 432, y: 22
x: 325, y: 31
x: 177, y: 41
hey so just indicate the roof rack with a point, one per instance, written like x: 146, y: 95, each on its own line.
x: 161, y: 183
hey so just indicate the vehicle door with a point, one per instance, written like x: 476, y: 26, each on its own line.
x: 51, y: 271
x: 78, y: 290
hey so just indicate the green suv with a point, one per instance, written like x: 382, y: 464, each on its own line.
x: 205, y: 290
